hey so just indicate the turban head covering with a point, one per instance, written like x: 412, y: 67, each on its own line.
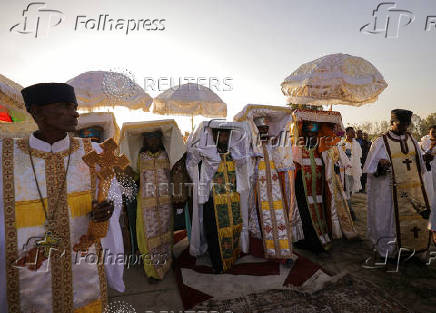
x: 48, y: 93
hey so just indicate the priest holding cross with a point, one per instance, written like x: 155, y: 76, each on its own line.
x: 58, y: 200
x: 398, y: 205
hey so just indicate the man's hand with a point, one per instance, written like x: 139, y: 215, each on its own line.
x: 384, y: 164
x: 382, y: 167
x: 428, y: 157
x: 425, y: 214
x: 101, y: 211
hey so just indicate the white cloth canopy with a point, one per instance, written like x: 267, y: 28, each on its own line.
x: 190, y: 100
x: 278, y: 119
x: 102, y: 119
x: 132, y: 140
x: 334, y: 79
x: 97, y: 89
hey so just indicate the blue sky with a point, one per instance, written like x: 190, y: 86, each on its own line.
x: 255, y: 43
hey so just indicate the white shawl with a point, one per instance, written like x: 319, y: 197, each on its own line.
x: 201, y: 147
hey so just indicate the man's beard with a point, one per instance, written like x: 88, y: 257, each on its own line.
x: 222, y: 148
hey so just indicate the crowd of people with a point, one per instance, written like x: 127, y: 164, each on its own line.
x: 271, y: 180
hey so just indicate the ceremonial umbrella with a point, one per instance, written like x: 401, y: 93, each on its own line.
x: 98, y: 89
x: 334, y: 79
x: 16, y: 122
x: 189, y: 100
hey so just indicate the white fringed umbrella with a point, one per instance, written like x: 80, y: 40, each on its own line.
x: 98, y: 89
x: 190, y: 100
x: 334, y: 79
x: 12, y: 101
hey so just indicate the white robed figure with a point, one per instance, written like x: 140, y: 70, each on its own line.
x: 428, y: 147
x: 46, y: 210
x: 269, y: 227
x: 153, y: 148
x: 398, y: 205
x: 207, y: 179
x: 351, y: 180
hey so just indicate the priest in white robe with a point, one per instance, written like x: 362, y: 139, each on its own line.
x: 428, y: 147
x: 46, y: 207
x: 351, y: 180
x: 398, y: 205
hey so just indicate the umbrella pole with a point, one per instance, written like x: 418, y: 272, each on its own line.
x: 192, y: 119
x: 331, y: 107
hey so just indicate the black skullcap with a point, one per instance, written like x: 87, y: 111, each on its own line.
x: 401, y: 115
x: 48, y: 93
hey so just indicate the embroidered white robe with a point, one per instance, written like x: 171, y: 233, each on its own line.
x: 381, y: 216
x: 80, y: 284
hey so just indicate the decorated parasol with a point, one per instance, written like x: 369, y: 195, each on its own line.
x: 98, y: 89
x: 334, y: 79
x: 14, y: 119
x: 190, y: 100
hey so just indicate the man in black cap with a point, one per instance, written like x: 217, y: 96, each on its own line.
x: 398, y: 206
x: 45, y: 208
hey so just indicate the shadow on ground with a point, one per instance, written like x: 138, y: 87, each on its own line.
x: 414, y: 285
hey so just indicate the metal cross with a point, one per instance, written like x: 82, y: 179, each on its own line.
x: 107, y: 160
